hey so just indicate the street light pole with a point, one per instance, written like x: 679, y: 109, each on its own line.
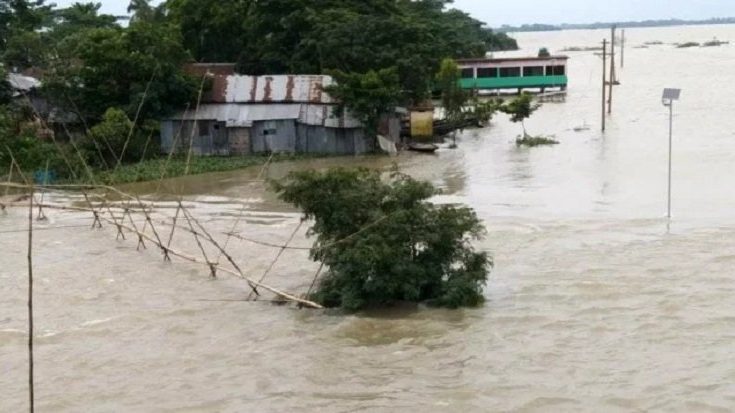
x: 670, y: 95
x: 671, y: 145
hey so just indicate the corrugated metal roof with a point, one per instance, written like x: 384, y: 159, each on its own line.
x: 271, y: 89
x: 243, y: 115
x: 324, y: 115
x: 22, y: 83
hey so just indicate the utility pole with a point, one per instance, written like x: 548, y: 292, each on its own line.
x: 622, y: 49
x: 612, y: 73
x: 604, y: 79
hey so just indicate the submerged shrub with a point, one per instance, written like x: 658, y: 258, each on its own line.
x: 532, y: 141
x: 384, y: 242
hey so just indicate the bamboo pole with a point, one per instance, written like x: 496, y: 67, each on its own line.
x: 238, y: 273
x: 189, y: 258
x: 214, y: 242
x: 280, y: 252
x: 30, y: 305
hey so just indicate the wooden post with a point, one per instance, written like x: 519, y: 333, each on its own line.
x: 612, y: 73
x: 30, y: 304
x: 604, y: 79
x: 622, y: 49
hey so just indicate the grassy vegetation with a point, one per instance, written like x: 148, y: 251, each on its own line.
x: 153, y: 169
x: 582, y: 49
x: 714, y: 43
x: 533, y: 141
x: 687, y: 44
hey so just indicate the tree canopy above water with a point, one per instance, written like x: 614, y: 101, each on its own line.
x: 383, y: 241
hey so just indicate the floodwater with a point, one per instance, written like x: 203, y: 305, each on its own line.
x: 596, y: 301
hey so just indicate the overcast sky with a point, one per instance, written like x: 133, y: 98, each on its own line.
x: 516, y: 12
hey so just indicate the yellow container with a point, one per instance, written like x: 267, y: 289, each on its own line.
x: 422, y: 125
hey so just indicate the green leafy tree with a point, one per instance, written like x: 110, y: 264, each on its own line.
x: 454, y: 98
x: 6, y: 92
x: 116, y: 67
x: 499, y: 41
x: 544, y: 52
x: 21, y: 43
x: 26, y: 49
x: 142, y: 10
x: 520, y: 109
x: 23, y: 15
x: 367, y: 96
x: 214, y: 30
x: 79, y: 17
x: 352, y: 36
x: 384, y: 242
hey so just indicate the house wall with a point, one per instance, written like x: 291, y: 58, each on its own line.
x: 318, y: 139
x: 207, y: 137
x: 214, y: 138
x: 239, y: 141
x: 273, y: 136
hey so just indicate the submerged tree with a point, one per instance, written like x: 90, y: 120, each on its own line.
x: 384, y: 242
x: 520, y: 109
x: 454, y: 98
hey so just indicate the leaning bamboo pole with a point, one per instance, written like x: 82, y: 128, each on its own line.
x: 186, y: 257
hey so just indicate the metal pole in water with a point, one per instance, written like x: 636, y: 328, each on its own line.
x: 671, y: 127
x: 604, y: 80
x: 612, y: 72
x: 622, y: 49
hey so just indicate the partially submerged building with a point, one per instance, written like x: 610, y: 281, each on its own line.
x: 255, y: 114
x: 514, y: 73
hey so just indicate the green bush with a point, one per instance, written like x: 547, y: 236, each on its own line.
x: 383, y: 242
x: 33, y: 154
x: 110, y: 139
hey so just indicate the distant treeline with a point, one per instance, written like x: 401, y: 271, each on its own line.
x: 600, y: 25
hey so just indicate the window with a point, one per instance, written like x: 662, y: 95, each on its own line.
x: 468, y: 73
x: 510, y: 72
x: 203, y: 127
x: 485, y: 72
x: 533, y: 71
x: 270, y: 128
x: 555, y: 70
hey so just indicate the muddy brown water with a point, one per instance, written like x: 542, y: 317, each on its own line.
x: 596, y: 301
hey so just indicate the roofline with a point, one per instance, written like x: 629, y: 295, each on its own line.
x: 511, y: 59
